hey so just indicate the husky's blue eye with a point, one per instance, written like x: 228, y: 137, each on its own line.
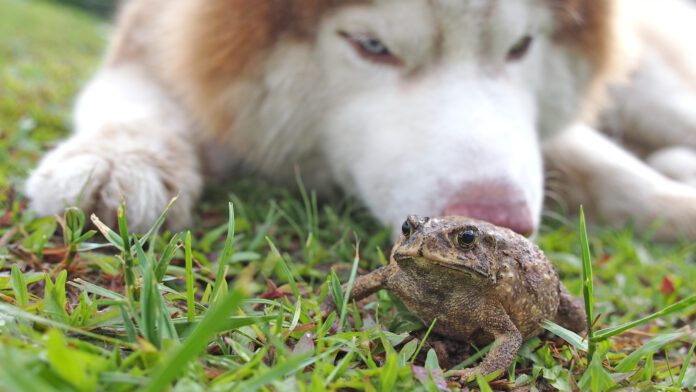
x: 371, y: 48
x: 374, y: 46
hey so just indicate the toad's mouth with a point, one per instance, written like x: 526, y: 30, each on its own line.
x: 400, y: 258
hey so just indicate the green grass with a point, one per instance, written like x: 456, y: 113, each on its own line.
x: 232, y: 304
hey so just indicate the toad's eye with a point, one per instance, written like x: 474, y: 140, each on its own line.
x: 520, y: 49
x: 371, y: 48
x: 467, y: 238
x: 407, y: 229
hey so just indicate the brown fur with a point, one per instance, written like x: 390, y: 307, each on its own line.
x: 211, y: 44
x: 139, y: 22
x: 232, y: 38
x: 588, y: 27
x: 199, y: 61
x: 199, y: 48
x: 235, y: 37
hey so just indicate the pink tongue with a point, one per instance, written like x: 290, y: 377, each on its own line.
x: 515, y: 215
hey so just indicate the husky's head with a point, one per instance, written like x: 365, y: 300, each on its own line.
x: 428, y: 107
x: 438, y: 106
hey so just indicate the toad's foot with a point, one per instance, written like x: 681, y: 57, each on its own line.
x: 508, y: 340
x: 464, y: 375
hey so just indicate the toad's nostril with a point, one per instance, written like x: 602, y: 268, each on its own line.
x: 498, y: 204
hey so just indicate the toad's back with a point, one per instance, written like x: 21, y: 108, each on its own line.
x: 527, y: 285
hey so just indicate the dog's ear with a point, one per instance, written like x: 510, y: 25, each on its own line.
x: 587, y: 26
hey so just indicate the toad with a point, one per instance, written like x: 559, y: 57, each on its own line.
x: 481, y: 283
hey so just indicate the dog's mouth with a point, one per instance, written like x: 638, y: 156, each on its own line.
x: 515, y: 217
x: 497, y: 203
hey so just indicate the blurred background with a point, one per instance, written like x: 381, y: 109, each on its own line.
x: 103, y: 8
x: 48, y: 50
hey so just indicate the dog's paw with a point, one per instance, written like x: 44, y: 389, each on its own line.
x: 677, y: 163
x: 676, y: 216
x: 97, y: 181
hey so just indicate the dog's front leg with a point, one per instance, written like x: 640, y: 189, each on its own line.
x: 132, y: 142
x: 585, y: 167
x: 653, y: 109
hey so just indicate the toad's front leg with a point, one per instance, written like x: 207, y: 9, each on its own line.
x: 363, y: 286
x: 508, y: 340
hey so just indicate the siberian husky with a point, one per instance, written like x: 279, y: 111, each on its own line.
x: 414, y: 106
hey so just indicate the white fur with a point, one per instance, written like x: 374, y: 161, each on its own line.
x: 618, y: 188
x: 404, y: 139
x: 677, y: 163
x: 132, y: 143
x: 655, y: 109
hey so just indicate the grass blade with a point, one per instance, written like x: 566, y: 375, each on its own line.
x: 631, y: 361
x: 587, y: 286
x: 19, y: 286
x: 126, y: 254
x: 685, y: 365
x: 279, y: 371
x: 389, y: 372
x: 190, y: 289
x: 15, y: 312
x: 166, y: 325
x: 225, y: 256
x: 343, y: 365
x: 425, y: 337
x: 596, y: 377
x: 483, y: 384
x: 336, y: 292
x: 569, y: 336
x: 98, y: 290
x: 349, y: 287
x: 286, y: 270
x: 158, y: 222
x: 613, y: 331
x: 473, y: 358
x: 128, y: 325
x: 215, y: 319
x: 167, y: 256
x: 149, y: 302
x: 113, y: 237
x: 15, y: 376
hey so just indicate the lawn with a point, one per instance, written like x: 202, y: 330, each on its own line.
x: 232, y: 303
